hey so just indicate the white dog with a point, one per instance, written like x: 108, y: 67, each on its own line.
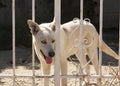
x: 44, y: 43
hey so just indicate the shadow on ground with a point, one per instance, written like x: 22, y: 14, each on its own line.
x: 23, y: 58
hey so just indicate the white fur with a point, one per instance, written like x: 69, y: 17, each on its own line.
x: 70, y: 33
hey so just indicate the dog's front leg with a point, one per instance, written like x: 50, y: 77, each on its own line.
x: 46, y: 71
x: 63, y: 65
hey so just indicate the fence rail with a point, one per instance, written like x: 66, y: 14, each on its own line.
x: 52, y: 76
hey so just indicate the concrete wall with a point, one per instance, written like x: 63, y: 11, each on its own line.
x: 45, y: 13
x: 111, y: 13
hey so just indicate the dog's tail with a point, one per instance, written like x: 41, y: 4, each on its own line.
x: 106, y: 49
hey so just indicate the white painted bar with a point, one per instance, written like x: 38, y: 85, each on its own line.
x: 81, y: 30
x: 80, y: 40
x: 100, y: 37
x: 33, y: 52
x: 13, y: 40
x: 81, y: 9
x: 62, y: 76
x: 119, y: 45
x: 33, y: 10
x: 57, y: 13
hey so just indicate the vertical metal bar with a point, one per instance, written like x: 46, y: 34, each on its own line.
x: 33, y: 52
x: 33, y: 10
x: 80, y: 40
x: 119, y: 46
x: 13, y: 39
x: 81, y: 30
x: 100, y: 37
x: 57, y: 13
x: 81, y: 9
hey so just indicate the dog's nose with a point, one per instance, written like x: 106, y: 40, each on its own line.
x: 51, y: 53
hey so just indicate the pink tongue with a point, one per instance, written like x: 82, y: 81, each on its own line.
x: 48, y: 60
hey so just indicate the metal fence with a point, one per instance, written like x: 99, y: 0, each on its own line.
x: 57, y: 76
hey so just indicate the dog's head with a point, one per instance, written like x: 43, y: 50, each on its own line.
x: 43, y: 39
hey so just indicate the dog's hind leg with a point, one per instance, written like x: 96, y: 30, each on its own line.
x: 93, y: 55
x: 46, y: 71
x: 92, y: 52
x: 85, y: 66
x: 83, y: 62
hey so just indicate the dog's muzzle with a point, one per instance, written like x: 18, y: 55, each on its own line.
x: 48, y: 59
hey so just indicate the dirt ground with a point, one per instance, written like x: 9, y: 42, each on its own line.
x: 24, y: 67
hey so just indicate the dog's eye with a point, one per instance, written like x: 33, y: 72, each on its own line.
x: 53, y: 41
x: 44, y: 42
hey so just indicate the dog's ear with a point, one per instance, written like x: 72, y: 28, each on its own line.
x: 34, y: 27
x: 52, y: 25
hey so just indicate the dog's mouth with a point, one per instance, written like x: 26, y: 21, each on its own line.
x: 47, y: 59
